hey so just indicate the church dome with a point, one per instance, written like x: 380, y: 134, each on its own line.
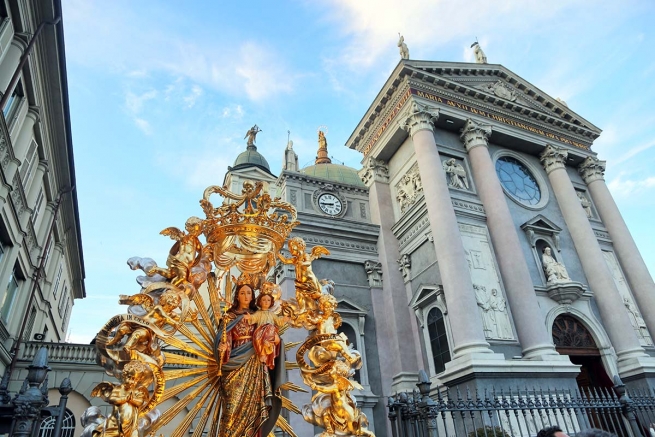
x: 251, y: 157
x: 335, y: 173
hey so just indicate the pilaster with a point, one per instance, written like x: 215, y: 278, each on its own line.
x: 394, y: 322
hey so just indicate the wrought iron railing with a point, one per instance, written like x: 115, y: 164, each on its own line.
x: 459, y: 411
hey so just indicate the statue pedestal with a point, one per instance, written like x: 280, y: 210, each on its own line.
x: 565, y: 292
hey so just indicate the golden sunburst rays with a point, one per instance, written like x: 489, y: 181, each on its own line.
x: 190, y: 373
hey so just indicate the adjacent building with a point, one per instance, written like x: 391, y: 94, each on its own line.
x: 41, y: 262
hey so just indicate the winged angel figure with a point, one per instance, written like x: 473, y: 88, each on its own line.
x: 185, y: 253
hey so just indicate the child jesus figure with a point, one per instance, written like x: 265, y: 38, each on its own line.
x: 266, y: 339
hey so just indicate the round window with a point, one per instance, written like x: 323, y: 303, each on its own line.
x: 518, y: 181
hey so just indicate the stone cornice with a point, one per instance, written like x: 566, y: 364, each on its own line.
x: 517, y: 112
x: 292, y: 175
x: 553, y: 157
x: 592, y: 169
x: 475, y: 134
x: 418, y: 117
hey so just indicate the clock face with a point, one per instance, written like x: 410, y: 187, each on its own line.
x: 329, y: 204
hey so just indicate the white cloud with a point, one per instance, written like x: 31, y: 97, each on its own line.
x: 195, y: 94
x: 233, y: 111
x: 134, y: 103
x: 104, y: 37
x: 143, y: 125
x: 626, y: 188
x: 202, y: 169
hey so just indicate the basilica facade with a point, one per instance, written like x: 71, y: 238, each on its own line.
x: 478, y: 242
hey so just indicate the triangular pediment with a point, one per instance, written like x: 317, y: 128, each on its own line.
x: 496, y: 84
x: 251, y: 173
x: 348, y: 306
x: 425, y: 294
x: 541, y: 223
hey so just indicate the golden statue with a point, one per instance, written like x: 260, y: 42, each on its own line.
x: 225, y: 343
x: 333, y: 407
x: 128, y: 399
x: 184, y: 254
x: 141, y: 338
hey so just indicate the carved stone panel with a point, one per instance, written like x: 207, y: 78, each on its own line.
x: 374, y: 273
x: 409, y: 188
x: 636, y: 319
x: 484, y: 275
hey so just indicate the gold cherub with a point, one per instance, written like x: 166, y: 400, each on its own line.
x: 141, y: 339
x: 184, y: 254
x: 305, y: 278
x: 127, y: 398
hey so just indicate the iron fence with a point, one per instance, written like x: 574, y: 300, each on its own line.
x: 517, y: 412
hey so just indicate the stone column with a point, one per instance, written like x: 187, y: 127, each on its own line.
x: 534, y: 338
x: 634, y: 267
x: 395, y: 324
x: 467, y: 333
x: 33, y: 192
x: 612, y: 311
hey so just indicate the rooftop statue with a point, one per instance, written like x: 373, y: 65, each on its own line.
x: 252, y: 134
x: 480, y: 57
x: 404, y: 51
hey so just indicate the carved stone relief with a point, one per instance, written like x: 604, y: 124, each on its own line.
x: 456, y: 174
x: 405, y: 264
x: 293, y: 197
x: 493, y: 310
x: 502, y: 90
x: 585, y: 202
x: 486, y: 280
x: 636, y: 319
x: 409, y: 188
x: 374, y: 272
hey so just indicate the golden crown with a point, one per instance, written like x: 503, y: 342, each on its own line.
x: 251, y: 214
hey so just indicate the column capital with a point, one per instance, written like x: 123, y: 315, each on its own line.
x: 475, y: 134
x: 553, y: 157
x: 592, y: 169
x: 375, y: 170
x: 419, y: 117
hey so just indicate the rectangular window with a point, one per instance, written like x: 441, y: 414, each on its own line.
x: 64, y: 298
x: 29, y: 164
x: 67, y: 308
x: 55, y: 287
x: 37, y: 207
x: 9, y: 297
x: 48, y: 252
x: 30, y: 325
x: 13, y: 102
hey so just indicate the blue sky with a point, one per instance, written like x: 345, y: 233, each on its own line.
x: 162, y: 94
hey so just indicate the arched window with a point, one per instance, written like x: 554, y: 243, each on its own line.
x: 438, y: 340
x: 67, y: 427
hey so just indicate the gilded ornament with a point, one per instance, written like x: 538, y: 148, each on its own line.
x: 226, y: 340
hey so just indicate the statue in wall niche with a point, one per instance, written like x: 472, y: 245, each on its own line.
x: 555, y: 271
x: 404, y: 51
x: 456, y: 174
x: 585, y: 202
